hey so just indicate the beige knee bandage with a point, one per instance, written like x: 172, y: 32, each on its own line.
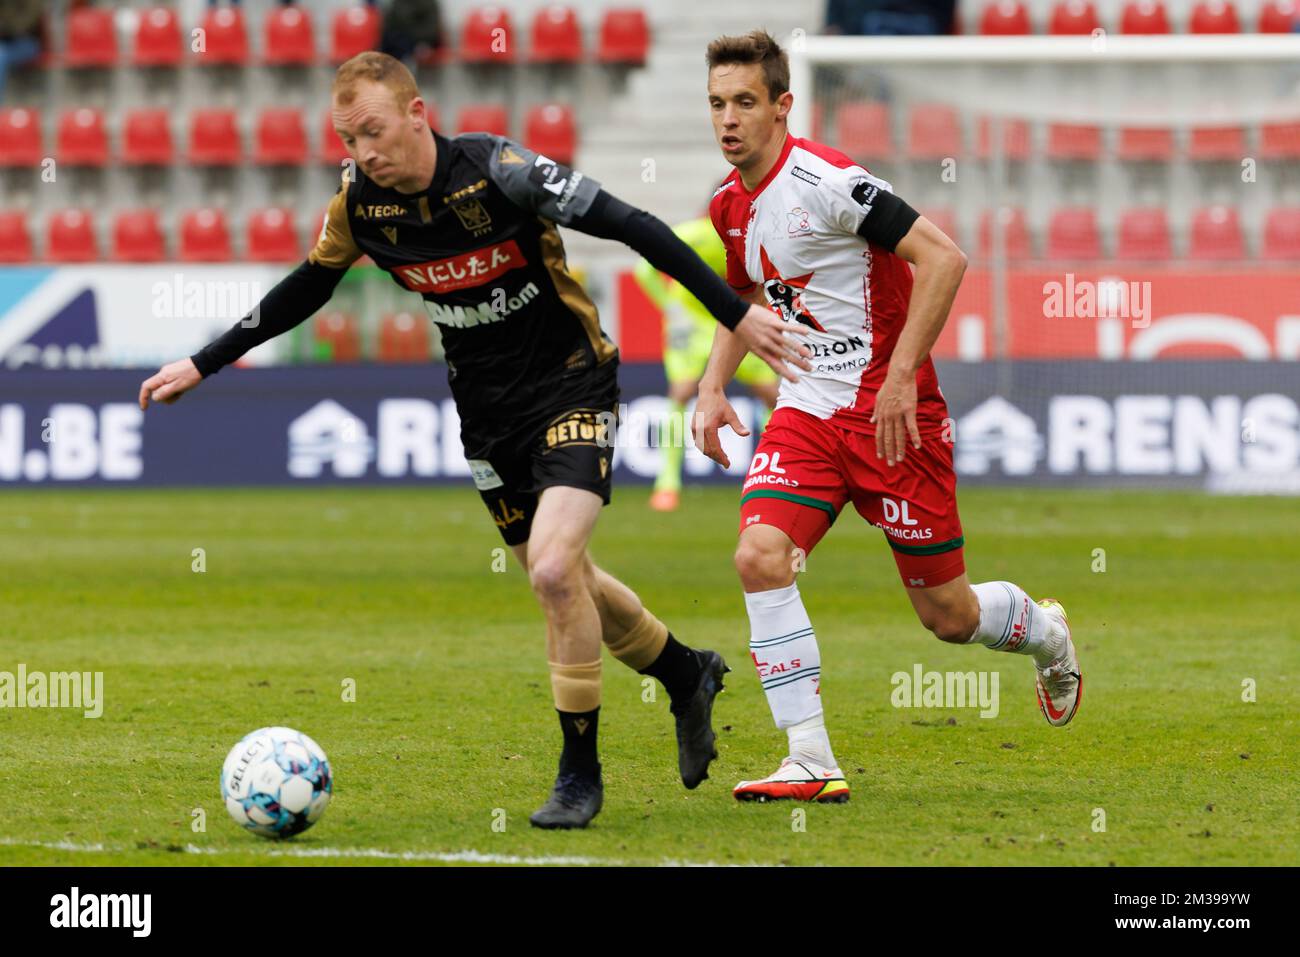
x: 639, y: 646
x: 576, y: 688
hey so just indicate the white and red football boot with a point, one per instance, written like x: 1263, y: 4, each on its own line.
x: 1060, y: 684
x: 800, y: 780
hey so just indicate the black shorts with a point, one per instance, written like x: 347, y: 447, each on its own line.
x: 574, y: 448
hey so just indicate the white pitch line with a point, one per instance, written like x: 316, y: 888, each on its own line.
x: 446, y: 857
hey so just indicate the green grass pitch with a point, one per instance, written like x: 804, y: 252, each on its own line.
x: 451, y: 740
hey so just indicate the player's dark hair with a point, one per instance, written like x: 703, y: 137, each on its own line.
x: 757, y: 46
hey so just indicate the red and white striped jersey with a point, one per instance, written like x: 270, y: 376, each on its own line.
x: 797, y: 235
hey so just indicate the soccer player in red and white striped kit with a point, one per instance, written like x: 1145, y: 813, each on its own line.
x: 814, y: 235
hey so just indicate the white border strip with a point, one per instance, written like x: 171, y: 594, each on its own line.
x: 1177, y: 48
x: 372, y: 853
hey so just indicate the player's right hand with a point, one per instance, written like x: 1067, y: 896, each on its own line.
x: 712, y: 412
x: 170, y: 382
x: 765, y: 334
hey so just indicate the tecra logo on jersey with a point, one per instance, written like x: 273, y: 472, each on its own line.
x: 462, y: 272
x: 786, y: 294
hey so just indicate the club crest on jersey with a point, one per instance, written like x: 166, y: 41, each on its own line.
x: 798, y: 222
x: 473, y: 216
x: 786, y: 295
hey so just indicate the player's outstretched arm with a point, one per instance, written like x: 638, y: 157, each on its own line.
x: 292, y: 300
x: 760, y: 330
x: 940, y: 266
x: 712, y: 410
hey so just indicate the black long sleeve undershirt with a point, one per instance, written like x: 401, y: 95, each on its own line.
x: 611, y: 218
x: 294, y: 298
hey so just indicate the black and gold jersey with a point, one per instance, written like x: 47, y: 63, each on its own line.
x: 481, y: 247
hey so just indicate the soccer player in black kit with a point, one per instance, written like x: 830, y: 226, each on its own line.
x: 469, y: 223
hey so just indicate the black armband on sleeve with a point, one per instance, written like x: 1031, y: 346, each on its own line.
x: 611, y: 218
x: 887, y: 221
x: 294, y: 298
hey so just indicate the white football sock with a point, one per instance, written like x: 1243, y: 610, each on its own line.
x: 784, y: 650
x: 1012, y: 621
x: 809, y: 741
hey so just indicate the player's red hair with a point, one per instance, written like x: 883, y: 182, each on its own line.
x: 376, y: 68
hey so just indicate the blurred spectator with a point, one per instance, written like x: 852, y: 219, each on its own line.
x: 410, y: 25
x: 20, y: 35
x: 890, y: 17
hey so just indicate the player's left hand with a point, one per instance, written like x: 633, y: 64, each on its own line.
x: 895, y: 417
x: 765, y: 334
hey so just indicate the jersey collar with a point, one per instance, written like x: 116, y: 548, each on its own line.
x: 776, y: 168
x: 442, y: 164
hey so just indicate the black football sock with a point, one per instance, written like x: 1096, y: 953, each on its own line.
x: 579, y: 754
x: 677, y: 668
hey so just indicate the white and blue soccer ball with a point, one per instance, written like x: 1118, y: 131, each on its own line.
x: 276, y: 782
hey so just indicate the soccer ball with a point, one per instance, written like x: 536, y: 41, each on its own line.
x: 276, y: 782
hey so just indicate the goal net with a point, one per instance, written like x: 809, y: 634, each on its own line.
x: 1130, y: 207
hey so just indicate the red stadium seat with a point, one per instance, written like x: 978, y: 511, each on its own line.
x: 158, y: 38
x: 624, y: 37
x: 1282, y: 233
x: 1279, y: 16
x: 137, y: 237
x: 225, y: 38
x: 289, y: 37
x: 865, y: 132
x: 1005, y: 18
x: 1214, y: 16
x: 70, y: 237
x: 354, y: 30
x: 214, y: 138
x: 404, y: 337
x: 1141, y: 144
x: 272, y: 237
x: 1014, y: 230
x: 1211, y: 143
x: 15, y: 240
x: 488, y: 36
x: 549, y: 130
x: 281, y: 138
x: 1216, y: 234
x: 1279, y: 141
x: 557, y: 38
x: 1015, y: 139
x: 1072, y: 234
x: 20, y: 137
x: 332, y: 150
x: 483, y: 118
x: 204, y: 236
x: 934, y: 132
x: 91, y: 38
x: 1070, y: 142
x: 337, y: 336
x: 432, y: 116
x: 147, y: 138
x: 82, y: 138
x: 1144, y: 235
x: 1073, y: 17
x: 1144, y: 16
